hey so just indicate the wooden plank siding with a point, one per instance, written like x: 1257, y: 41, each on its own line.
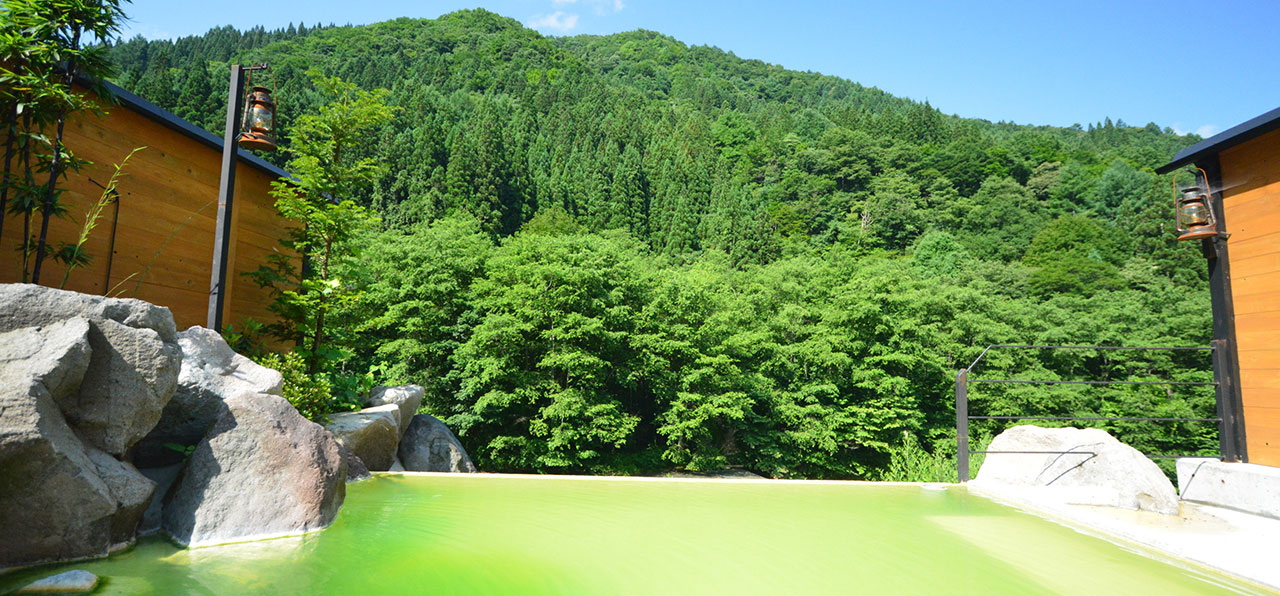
x: 1251, y: 204
x: 1265, y: 423
x: 163, y: 250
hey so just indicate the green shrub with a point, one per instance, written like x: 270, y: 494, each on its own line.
x: 910, y: 462
x: 312, y: 395
x: 349, y: 390
x: 248, y: 339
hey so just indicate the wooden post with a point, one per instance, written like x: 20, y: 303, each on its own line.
x: 1226, y: 363
x: 226, y: 192
x: 962, y: 425
x: 1228, y: 445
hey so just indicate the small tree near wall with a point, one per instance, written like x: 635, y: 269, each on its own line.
x: 330, y: 172
x: 44, y: 46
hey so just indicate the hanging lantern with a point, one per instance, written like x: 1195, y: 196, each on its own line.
x: 258, y: 129
x: 1195, y: 215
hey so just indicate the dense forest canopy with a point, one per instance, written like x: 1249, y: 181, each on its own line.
x: 622, y: 253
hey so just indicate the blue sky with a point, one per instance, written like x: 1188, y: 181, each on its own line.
x: 1194, y: 66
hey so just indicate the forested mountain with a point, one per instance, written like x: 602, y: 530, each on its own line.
x: 610, y: 254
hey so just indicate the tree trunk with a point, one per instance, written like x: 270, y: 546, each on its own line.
x: 49, y: 203
x: 10, y: 131
x: 47, y: 207
x: 26, y: 245
x: 315, y: 342
x: 30, y: 179
x: 318, y: 335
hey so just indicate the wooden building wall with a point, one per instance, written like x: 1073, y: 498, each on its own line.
x: 1251, y: 190
x: 163, y: 250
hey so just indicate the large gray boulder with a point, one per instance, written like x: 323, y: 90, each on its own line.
x: 407, y: 397
x: 29, y: 305
x: 53, y: 504
x: 261, y: 471
x: 55, y: 356
x: 429, y: 446
x: 130, y: 491
x: 1096, y: 470
x: 211, y: 371
x: 130, y: 379
x: 59, y: 498
x: 372, y: 434
x: 133, y: 366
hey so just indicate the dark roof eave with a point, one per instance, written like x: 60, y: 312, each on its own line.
x: 171, y: 120
x: 1226, y: 139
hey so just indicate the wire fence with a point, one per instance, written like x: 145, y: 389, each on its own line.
x: 1225, y: 439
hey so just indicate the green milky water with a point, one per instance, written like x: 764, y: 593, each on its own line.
x: 478, y: 534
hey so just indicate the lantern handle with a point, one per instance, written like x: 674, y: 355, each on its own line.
x: 1191, y: 170
x: 1208, y: 201
x: 248, y: 87
x: 248, y: 81
x: 248, y: 92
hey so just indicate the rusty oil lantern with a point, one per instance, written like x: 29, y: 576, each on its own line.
x: 1195, y: 214
x: 257, y: 131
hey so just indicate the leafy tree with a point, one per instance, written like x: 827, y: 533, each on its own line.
x: 330, y: 175
x: 892, y: 211
x: 1073, y: 188
x: 197, y: 101
x: 545, y: 370
x: 849, y: 157
x: 159, y: 82
x: 1074, y: 254
x: 414, y: 311
x: 1120, y: 186
x: 939, y: 255
x: 697, y: 344
x: 1001, y: 220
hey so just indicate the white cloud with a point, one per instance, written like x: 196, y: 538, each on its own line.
x: 559, y: 21
x: 564, y: 22
x: 604, y: 7
x: 599, y: 7
x: 151, y: 32
x: 1205, y: 131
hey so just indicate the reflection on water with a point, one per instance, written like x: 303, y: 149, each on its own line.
x: 477, y: 534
